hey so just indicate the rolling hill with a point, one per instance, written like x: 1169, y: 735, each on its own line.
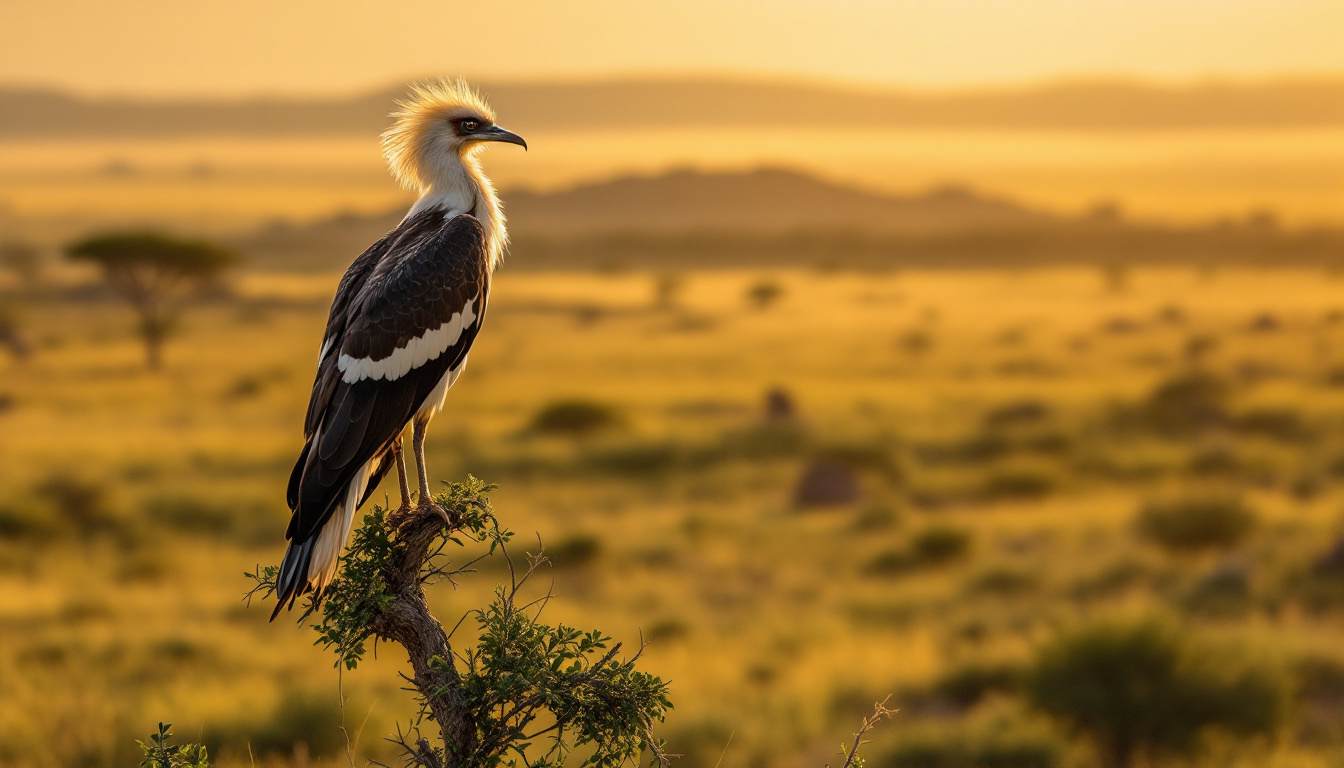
x: 758, y: 202
x: 669, y: 103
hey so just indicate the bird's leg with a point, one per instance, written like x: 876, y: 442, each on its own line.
x: 401, y: 476
x: 418, y: 445
x: 396, y: 517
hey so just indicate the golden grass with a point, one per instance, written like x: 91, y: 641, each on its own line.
x: 772, y: 618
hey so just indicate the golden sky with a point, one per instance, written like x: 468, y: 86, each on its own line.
x: 236, y: 47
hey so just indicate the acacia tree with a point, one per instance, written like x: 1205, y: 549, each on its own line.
x: 152, y: 272
x: 1140, y: 690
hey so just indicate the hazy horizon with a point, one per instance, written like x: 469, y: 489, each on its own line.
x: 152, y: 48
x: 859, y: 87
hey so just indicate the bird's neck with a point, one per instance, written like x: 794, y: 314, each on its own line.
x: 456, y: 185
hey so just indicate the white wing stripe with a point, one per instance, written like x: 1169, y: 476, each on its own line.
x: 416, y: 353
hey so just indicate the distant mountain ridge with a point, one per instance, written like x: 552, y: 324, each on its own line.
x: 772, y: 217
x: 671, y: 103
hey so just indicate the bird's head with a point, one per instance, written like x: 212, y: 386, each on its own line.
x: 437, y: 123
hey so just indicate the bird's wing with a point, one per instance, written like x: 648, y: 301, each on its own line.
x: 352, y: 283
x: 324, y: 382
x: 412, y: 321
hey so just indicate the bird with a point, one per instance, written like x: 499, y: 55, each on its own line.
x: 404, y: 317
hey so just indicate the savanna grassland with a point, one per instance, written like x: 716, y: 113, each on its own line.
x: 223, y: 184
x: 998, y: 459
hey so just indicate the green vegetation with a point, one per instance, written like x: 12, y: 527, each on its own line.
x: 526, y: 691
x: 1140, y: 691
x: 575, y: 418
x: 1198, y: 522
x: 763, y: 293
x: 160, y: 753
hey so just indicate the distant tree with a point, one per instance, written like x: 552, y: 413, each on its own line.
x: 152, y: 271
x: 763, y: 293
x: 21, y: 258
x: 1143, y: 690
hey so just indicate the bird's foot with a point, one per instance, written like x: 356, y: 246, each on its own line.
x: 428, y: 507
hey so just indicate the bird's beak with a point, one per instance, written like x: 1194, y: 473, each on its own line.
x: 495, y: 133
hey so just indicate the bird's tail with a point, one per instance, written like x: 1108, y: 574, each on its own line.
x: 311, y: 564
x: 293, y: 579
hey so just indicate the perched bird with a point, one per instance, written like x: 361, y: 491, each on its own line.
x: 404, y: 317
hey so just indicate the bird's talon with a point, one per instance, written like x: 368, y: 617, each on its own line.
x: 430, y: 508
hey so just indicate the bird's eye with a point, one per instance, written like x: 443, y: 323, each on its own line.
x: 470, y: 125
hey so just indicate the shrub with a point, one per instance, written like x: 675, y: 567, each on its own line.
x: 1283, y: 424
x: 1019, y: 482
x: 1189, y: 402
x: 915, y: 341
x: 965, y: 686
x: 79, y: 502
x: 1195, y: 523
x: 1224, y: 592
x: 574, y: 418
x: 933, y: 546
x: 890, y: 562
x: 1007, y: 746
x: 245, y: 387
x: 976, y: 449
x: 763, y: 293
x: 1003, y: 581
x: 877, y: 517
x: 576, y: 551
x: 667, y: 631
x: 1017, y: 413
x: 940, y: 544
x: 1142, y: 689
x: 17, y: 523
x: 780, y: 404
x: 160, y: 752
